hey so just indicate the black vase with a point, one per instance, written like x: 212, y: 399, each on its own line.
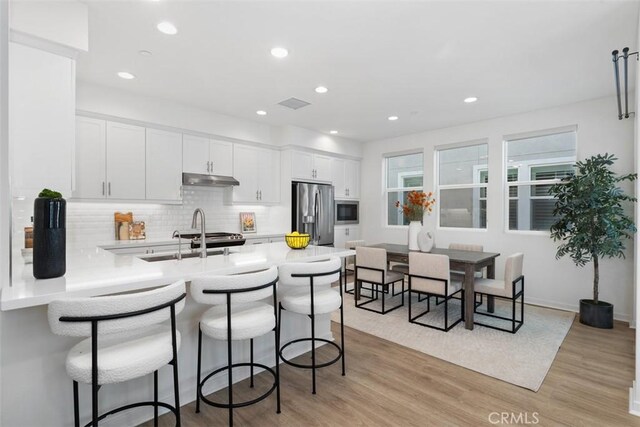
x: 49, y: 238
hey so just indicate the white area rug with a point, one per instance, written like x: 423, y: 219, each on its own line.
x: 522, y: 359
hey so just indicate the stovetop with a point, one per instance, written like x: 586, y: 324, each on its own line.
x: 216, y: 240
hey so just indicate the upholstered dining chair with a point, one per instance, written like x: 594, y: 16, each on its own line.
x: 429, y: 275
x: 510, y: 288
x: 371, y: 268
x: 350, y: 261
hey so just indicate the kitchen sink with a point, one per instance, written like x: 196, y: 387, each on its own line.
x: 174, y: 256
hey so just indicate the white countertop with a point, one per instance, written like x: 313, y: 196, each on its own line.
x: 118, y: 244
x: 100, y: 272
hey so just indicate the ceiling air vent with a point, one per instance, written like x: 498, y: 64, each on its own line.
x: 294, y: 103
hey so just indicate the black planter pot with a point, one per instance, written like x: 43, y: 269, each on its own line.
x: 597, y: 315
x: 49, y: 238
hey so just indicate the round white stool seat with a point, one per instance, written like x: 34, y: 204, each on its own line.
x: 325, y: 301
x: 248, y: 320
x: 123, y: 356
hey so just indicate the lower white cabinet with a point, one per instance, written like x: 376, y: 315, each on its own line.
x: 258, y: 171
x: 345, y: 233
x: 163, y: 165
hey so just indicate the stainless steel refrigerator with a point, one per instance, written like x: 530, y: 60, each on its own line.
x: 312, y: 211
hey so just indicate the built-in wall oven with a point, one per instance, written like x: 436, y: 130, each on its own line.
x: 347, y: 212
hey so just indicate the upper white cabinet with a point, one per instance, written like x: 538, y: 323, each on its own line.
x: 258, y: 171
x: 41, y: 121
x: 126, y: 156
x: 163, y: 165
x: 345, y: 176
x: 90, y: 158
x: 207, y: 156
x: 110, y: 160
x: 309, y: 166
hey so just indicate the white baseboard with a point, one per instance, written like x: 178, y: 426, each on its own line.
x: 188, y: 389
x: 571, y: 307
x: 634, y: 402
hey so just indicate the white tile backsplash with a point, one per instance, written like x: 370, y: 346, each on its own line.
x: 89, y: 223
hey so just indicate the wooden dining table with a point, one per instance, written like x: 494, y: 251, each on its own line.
x: 467, y: 261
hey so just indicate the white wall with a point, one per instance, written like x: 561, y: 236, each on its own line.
x: 63, y: 22
x: 4, y: 166
x: 549, y: 282
x: 294, y: 135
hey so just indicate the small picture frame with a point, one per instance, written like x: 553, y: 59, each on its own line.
x: 248, y: 222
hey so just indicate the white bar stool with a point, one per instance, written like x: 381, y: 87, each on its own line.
x: 309, y: 292
x: 126, y: 341
x: 237, y: 314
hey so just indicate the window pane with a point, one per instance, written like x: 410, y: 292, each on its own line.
x: 394, y: 215
x: 405, y: 171
x: 513, y: 214
x: 529, y: 213
x: 464, y: 165
x: 462, y: 208
x: 541, y: 149
x: 541, y: 217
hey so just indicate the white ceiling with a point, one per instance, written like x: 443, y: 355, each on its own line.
x: 416, y: 60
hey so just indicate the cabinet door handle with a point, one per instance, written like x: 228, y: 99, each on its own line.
x: 260, y: 194
x: 211, y: 166
x: 103, y: 188
x: 109, y: 189
x: 257, y: 195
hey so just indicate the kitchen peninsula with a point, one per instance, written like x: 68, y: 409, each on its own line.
x: 97, y: 271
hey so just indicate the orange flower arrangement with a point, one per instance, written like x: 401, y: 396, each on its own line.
x: 419, y: 204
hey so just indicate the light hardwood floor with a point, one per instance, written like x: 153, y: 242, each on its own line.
x: 390, y: 385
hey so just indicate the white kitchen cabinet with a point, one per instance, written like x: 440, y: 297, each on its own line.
x: 163, y: 165
x: 125, y: 161
x: 308, y: 166
x: 206, y: 156
x: 352, y: 179
x: 258, y: 171
x: 41, y: 127
x: 345, y: 176
x: 345, y: 233
x: 90, y: 158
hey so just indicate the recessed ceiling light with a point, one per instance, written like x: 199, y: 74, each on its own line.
x: 321, y: 89
x: 279, y: 52
x: 470, y: 99
x: 126, y: 75
x: 393, y: 118
x: 145, y: 53
x: 167, y: 28
x: 333, y: 132
x: 261, y: 113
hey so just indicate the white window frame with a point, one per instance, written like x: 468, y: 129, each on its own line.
x: 475, y: 185
x: 386, y: 190
x: 525, y: 171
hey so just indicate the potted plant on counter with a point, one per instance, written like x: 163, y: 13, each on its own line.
x: 49, y: 235
x: 592, y: 224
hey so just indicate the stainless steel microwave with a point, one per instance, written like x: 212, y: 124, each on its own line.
x: 347, y: 212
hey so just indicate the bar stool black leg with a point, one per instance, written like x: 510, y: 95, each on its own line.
x: 76, y: 404
x: 174, y: 362
x: 230, y: 360
x: 198, y: 390
x: 94, y: 373
x: 313, y: 344
x: 251, y: 345
x: 277, y: 347
x: 155, y: 398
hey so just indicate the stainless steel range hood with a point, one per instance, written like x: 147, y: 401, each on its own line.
x: 202, y: 180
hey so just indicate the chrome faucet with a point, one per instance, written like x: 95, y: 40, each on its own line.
x: 176, y: 233
x: 194, y: 224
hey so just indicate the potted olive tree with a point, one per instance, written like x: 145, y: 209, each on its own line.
x: 592, y: 224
